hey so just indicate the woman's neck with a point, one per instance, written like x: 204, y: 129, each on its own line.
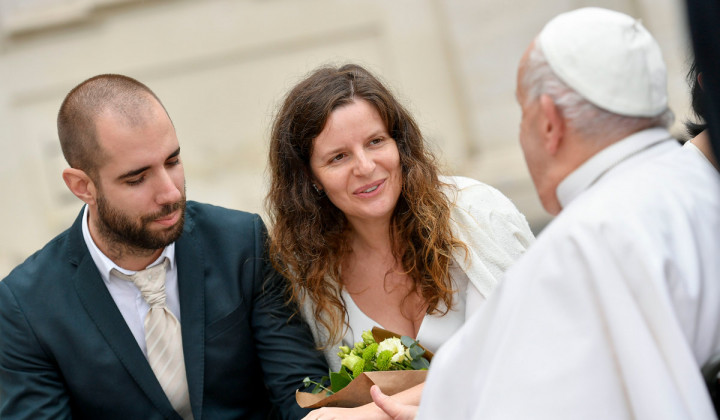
x: 371, y: 237
x: 371, y: 257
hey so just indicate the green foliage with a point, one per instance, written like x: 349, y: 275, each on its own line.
x: 369, y: 352
x: 339, y: 380
x: 318, y: 385
x: 383, y: 360
x: 358, y: 368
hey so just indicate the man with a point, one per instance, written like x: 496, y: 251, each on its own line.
x: 205, y: 334
x: 612, y: 311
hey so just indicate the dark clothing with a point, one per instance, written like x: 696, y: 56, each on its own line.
x: 704, y: 23
x: 66, y: 351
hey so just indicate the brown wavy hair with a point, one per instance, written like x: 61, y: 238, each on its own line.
x: 309, y: 236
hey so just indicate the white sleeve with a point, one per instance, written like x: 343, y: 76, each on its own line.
x: 495, y: 232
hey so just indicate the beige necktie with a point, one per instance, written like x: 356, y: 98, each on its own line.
x: 163, y: 337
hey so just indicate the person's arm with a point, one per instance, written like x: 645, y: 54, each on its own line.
x: 283, y: 341
x: 405, y: 401
x: 495, y: 233
x: 31, y: 386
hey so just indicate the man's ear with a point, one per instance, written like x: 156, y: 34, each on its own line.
x: 553, y: 128
x: 80, y: 184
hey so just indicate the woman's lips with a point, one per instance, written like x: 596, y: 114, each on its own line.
x: 370, y: 189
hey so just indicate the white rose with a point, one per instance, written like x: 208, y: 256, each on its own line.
x: 395, y: 346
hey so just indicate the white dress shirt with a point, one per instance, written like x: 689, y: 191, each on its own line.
x: 126, y: 295
x: 611, y: 312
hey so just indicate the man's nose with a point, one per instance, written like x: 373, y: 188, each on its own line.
x: 167, y: 192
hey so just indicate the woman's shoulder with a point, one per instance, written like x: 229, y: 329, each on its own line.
x: 468, y: 193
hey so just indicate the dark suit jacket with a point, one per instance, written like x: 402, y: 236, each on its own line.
x: 66, y: 351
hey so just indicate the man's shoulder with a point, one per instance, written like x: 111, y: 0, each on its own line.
x: 471, y: 195
x: 51, y: 258
x: 215, y: 222
x: 213, y: 214
x: 670, y: 183
x: 664, y: 195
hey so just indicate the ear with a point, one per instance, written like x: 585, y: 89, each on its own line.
x: 317, y: 186
x: 80, y: 184
x: 553, y: 128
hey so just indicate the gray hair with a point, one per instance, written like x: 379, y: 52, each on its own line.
x: 590, y: 121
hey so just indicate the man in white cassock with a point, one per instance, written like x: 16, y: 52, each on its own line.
x: 612, y: 311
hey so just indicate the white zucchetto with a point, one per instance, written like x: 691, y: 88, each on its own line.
x: 609, y: 58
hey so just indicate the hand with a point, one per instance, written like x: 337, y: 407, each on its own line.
x: 364, y: 412
x: 395, y: 410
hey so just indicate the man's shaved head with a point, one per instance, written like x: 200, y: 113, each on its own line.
x: 121, y: 96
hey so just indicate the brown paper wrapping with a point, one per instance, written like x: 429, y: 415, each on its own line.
x: 357, y: 392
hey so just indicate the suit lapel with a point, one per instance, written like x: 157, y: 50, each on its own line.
x: 191, y: 284
x: 101, y: 308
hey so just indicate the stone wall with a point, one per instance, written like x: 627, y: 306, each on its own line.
x: 222, y: 66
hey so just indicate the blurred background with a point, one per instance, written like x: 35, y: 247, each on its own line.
x: 221, y: 67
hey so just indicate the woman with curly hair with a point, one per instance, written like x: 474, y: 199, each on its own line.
x: 363, y: 226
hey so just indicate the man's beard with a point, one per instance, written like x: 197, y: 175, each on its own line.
x: 121, y: 230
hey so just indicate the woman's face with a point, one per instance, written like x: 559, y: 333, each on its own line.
x: 356, y: 162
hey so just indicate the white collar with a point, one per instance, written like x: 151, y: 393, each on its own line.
x: 105, y: 264
x: 592, y: 169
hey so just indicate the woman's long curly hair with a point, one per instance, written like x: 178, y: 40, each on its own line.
x: 309, y: 237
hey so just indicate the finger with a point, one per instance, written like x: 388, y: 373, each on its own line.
x: 389, y: 406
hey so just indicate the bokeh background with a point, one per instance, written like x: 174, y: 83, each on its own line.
x: 221, y: 67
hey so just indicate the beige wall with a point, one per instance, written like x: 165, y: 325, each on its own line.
x: 222, y: 66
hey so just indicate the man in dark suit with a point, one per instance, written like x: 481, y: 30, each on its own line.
x: 73, y: 336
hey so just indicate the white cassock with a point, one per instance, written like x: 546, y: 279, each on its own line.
x: 611, y: 311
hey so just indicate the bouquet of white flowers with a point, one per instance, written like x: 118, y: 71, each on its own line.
x: 382, y: 358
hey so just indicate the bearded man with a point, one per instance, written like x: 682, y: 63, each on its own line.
x: 149, y: 306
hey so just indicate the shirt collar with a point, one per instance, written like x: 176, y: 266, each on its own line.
x: 105, y: 264
x: 591, y: 170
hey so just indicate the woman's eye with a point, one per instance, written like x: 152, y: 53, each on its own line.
x: 338, y: 157
x: 376, y: 141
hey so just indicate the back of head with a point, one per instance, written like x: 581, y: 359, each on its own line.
x: 122, y: 96
x: 603, y: 69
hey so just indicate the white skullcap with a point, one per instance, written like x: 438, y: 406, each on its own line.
x: 608, y: 58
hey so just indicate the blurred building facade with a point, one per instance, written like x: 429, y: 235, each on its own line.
x: 221, y: 68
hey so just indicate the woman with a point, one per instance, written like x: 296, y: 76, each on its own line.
x: 365, y: 229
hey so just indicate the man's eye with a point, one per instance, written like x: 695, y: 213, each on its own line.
x: 174, y: 162
x: 136, y: 181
